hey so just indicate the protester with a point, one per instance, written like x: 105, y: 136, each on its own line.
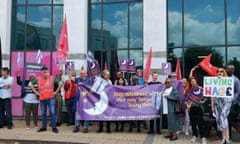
x: 186, y: 117
x: 139, y: 74
x: 106, y: 76
x: 194, y: 101
x: 151, y: 123
x: 6, y: 82
x: 82, y: 80
x: 46, y: 95
x: 230, y: 71
x: 120, y: 82
x: 30, y: 100
x: 221, y: 108
x: 131, y: 123
x: 118, y: 76
x: 58, y: 99
x: 70, y: 88
x: 172, y: 95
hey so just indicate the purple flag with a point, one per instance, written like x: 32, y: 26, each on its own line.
x: 93, y: 68
x: 166, y: 68
x: 195, y: 95
x: 178, y: 85
x: 131, y: 65
x: 72, y: 65
x: 123, y: 65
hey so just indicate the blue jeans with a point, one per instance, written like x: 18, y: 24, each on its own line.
x: 85, y: 124
x: 51, y: 105
x: 5, y: 107
x: 70, y: 112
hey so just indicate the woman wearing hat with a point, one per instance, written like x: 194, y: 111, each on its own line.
x: 30, y: 100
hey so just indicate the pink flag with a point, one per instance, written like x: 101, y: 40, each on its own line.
x: 63, y: 42
x: 148, y: 66
x: 178, y: 70
x: 207, y: 66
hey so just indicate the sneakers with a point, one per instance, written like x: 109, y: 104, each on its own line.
x: 76, y: 129
x: 41, y: 130
x: 27, y: 127
x: 193, y: 139
x: 55, y: 130
x: 204, y: 140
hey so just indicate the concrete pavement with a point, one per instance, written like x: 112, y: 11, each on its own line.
x: 19, y: 135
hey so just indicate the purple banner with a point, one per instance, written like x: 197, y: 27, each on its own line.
x: 166, y: 68
x: 93, y: 68
x: 120, y: 103
x: 127, y: 65
x: 195, y: 95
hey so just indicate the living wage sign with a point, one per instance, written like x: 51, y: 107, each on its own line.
x: 218, y: 87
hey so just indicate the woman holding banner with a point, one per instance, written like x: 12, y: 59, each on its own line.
x: 221, y: 109
x: 30, y: 100
x: 194, y: 100
x: 172, y: 95
x: 106, y: 76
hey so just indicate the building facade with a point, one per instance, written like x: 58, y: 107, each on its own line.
x: 115, y: 29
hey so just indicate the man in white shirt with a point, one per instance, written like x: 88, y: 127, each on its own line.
x: 6, y: 82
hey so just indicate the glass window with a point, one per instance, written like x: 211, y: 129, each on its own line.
x: 95, y: 1
x: 233, y: 58
x: 57, y: 25
x: 114, y: 0
x: 174, y: 23
x: 95, y: 34
x: 58, y: 1
x: 39, y: 1
x: 204, y: 22
x: 115, y: 26
x: 233, y: 19
x: 38, y: 28
x: 136, y: 25
x: 21, y: 1
x: 19, y: 28
x: 138, y: 56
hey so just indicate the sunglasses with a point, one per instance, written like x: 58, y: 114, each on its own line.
x: 167, y: 82
x: 220, y: 71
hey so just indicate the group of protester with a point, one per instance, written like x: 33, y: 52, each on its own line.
x: 46, y: 90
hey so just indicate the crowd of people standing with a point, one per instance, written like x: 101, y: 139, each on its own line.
x: 49, y: 91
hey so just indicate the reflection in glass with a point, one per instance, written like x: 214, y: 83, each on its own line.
x: 138, y: 56
x: 115, y: 26
x: 21, y: 1
x: 174, y: 23
x: 114, y: 0
x: 136, y: 25
x: 233, y: 58
x: 58, y: 1
x: 38, y: 28
x: 57, y: 25
x: 203, y: 22
x: 173, y: 55
x: 95, y: 1
x: 233, y: 21
x: 95, y: 34
x: 19, y: 28
x: 39, y: 1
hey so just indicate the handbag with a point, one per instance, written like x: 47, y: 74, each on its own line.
x: 177, y: 107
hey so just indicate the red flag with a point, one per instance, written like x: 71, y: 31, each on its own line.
x: 207, y: 66
x: 63, y: 42
x: 178, y: 70
x: 105, y: 66
x: 148, y: 66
